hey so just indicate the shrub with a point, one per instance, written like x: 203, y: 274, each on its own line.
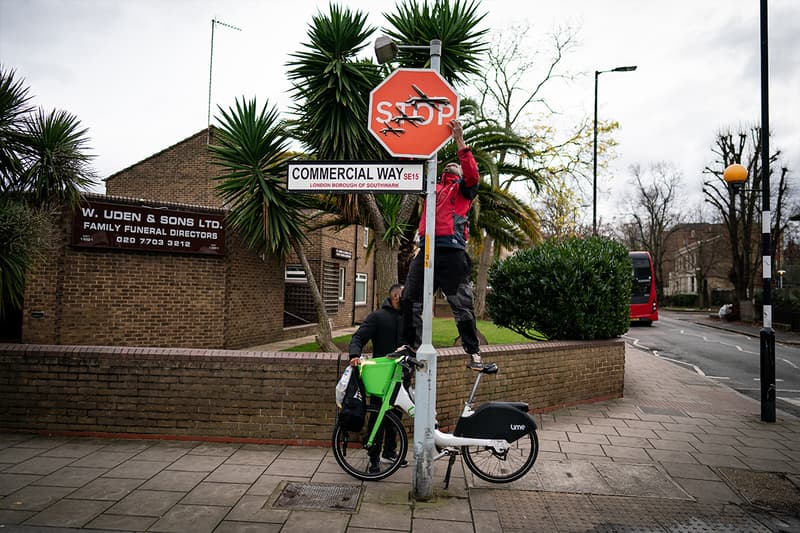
x: 571, y: 289
x: 682, y: 300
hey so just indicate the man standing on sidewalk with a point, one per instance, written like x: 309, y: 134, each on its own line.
x: 455, y: 191
x: 384, y: 327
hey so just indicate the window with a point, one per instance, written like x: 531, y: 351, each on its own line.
x: 361, y: 288
x: 366, y: 237
x: 342, y: 278
x: 295, y: 273
x: 330, y: 286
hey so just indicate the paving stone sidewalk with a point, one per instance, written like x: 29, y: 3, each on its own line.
x: 678, y: 453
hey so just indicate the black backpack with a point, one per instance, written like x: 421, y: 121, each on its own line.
x: 354, y: 407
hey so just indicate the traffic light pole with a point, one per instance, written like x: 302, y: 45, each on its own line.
x: 425, y: 388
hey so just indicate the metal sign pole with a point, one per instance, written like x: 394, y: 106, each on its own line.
x: 425, y: 392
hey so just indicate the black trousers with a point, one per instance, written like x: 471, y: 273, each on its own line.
x: 451, y: 270
x: 386, y: 438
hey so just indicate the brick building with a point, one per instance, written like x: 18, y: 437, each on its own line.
x: 697, y: 261
x: 90, y: 291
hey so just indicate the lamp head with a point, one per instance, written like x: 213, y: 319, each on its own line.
x: 625, y: 69
x: 385, y: 49
x: 735, y: 175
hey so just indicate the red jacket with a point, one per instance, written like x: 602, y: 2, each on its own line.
x: 454, y: 196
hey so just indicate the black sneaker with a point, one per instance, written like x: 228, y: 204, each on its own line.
x: 475, y: 362
x: 391, y: 458
x: 374, y: 466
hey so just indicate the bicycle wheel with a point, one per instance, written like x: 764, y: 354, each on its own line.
x: 490, y: 465
x: 351, y: 454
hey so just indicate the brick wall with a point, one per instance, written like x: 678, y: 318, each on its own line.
x: 119, y: 298
x: 184, y: 173
x: 181, y: 173
x: 270, y: 397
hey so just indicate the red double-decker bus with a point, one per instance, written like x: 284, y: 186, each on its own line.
x: 644, y: 307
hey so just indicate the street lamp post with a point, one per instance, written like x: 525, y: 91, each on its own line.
x: 594, y: 159
x: 767, y: 351
x: 425, y: 385
x: 735, y: 175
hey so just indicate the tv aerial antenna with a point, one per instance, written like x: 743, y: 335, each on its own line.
x: 214, y: 23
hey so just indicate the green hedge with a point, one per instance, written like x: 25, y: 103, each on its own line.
x: 681, y: 300
x: 571, y: 289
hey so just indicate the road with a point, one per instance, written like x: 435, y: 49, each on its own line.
x: 731, y: 358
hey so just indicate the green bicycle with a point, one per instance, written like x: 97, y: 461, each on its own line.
x: 497, y: 440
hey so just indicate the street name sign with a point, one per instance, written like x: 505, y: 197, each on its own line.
x: 355, y: 176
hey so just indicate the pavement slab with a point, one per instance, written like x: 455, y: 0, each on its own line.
x: 174, y: 481
x: 71, y: 476
x: 216, y: 494
x: 639, y: 480
x: 68, y: 513
x: 10, y: 483
x: 33, y: 498
x: 190, y: 518
x: 578, y: 477
x: 146, y: 503
x: 386, y: 516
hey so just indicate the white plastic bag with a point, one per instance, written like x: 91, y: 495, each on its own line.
x: 341, y: 387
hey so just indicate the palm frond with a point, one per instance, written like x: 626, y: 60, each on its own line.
x: 252, y: 155
x: 456, y: 24
x: 55, y: 162
x: 331, y: 88
x: 503, y: 216
x: 14, y: 105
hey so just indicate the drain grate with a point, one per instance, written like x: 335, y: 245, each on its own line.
x: 319, y: 497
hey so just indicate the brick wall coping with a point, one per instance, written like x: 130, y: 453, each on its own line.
x: 161, y: 203
x: 177, y: 354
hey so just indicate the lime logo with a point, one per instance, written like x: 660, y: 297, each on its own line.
x: 517, y: 427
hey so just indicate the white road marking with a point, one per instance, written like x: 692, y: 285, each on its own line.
x: 718, y: 377
x: 706, y: 339
x: 694, y: 367
x: 759, y: 379
x: 790, y: 363
x: 790, y: 391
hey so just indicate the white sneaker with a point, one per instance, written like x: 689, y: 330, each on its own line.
x: 475, y: 362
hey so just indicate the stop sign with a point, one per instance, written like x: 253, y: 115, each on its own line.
x: 410, y: 110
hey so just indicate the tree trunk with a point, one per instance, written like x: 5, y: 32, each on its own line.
x: 324, y: 336
x: 482, y: 279
x: 385, y: 269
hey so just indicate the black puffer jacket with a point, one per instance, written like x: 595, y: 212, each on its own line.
x: 384, y: 327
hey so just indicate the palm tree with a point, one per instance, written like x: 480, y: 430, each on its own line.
x: 55, y: 158
x: 252, y: 152
x: 331, y: 91
x: 331, y: 88
x: 43, y: 163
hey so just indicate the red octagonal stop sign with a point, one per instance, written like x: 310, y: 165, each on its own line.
x: 409, y: 112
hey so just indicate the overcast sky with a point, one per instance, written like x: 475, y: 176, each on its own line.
x: 136, y: 72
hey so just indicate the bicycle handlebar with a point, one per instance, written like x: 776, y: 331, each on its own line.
x: 409, y: 361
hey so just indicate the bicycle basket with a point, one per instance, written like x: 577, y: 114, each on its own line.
x: 377, y: 375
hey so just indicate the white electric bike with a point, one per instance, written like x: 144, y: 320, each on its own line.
x: 497, y: 440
